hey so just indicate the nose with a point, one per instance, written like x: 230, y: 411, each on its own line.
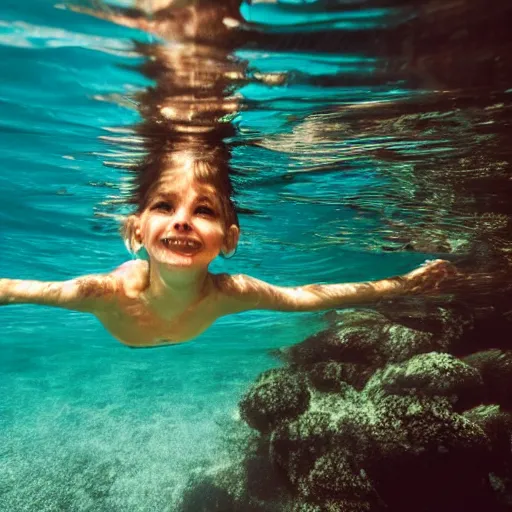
x: 181, y: 221
x: 182, y: 227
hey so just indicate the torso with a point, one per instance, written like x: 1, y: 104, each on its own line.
x: 130, y: 319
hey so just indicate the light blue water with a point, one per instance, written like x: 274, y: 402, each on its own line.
x: 86, y: 423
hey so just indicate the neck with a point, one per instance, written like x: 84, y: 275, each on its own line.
x: 172, y: 292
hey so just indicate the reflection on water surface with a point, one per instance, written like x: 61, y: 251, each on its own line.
x: 354, y: 133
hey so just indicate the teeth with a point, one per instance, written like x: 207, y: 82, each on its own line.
x: 179, y: 243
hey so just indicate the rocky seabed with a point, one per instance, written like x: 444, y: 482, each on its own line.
x: 398, y: 410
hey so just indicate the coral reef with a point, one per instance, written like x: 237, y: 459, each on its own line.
x: 375, y: 413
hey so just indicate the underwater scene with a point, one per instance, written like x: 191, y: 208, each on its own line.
x: 345, y: 141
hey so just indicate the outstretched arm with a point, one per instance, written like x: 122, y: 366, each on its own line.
x: 82, y: 294
x: 244, y: 293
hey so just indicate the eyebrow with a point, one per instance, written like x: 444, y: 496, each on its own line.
x: 159, y: 196
x: 208, y: 199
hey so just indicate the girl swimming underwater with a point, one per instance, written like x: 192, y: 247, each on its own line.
x: 185, y: 216
x: 184, y: 220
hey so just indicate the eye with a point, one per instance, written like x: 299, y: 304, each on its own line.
x: 162, y: 206
x: 205, y: 210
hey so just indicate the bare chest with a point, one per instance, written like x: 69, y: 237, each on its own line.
x: 134, y: 324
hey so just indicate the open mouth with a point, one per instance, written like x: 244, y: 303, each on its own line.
x: 182, y: 245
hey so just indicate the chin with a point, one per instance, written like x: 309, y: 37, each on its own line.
x: 176, y: 261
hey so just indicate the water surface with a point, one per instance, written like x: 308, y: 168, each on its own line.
x: 387, y: 142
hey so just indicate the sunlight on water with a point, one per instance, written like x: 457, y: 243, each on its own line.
x: 363, y: 139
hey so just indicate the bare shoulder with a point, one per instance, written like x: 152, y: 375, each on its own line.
x: 132, y: 268
x: 132, y: 275
x: 102, y: 285
x: 241, y: 292
x: 234, y: 285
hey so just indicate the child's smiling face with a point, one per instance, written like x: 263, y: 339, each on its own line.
x: 183, y: 224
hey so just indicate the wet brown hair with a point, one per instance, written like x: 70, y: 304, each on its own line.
x: 184, y: 114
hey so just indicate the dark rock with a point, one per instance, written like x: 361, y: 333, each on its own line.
x: 371, y: 340
x: 502, y: 487
x: 430, y: 422
x: 264, y: 483
x: 230, y: 489
x: 334, y: 476
x: 426, y: 454
x: 277, y: 395
x: 493, y: 315
x: 356, y: 317
x: 333, y: 376
x: 330, y: 422
x: 302, y: 506
x: 400, y: 343
x: 497, y: 425
x: 353, y: 337
x: 295, y: 446
x: 495, y: 366
x: 206, y: 496
x: 334, y: 506
x: 379, y: 427
x: 352, y: 344
x: 397, y: 450
x: 432, y: 374
x: 449, y: 324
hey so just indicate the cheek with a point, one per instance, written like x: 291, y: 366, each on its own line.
x: 212, y: 230
x: 152, y: 226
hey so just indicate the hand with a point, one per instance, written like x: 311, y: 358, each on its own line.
x: 429, y: 276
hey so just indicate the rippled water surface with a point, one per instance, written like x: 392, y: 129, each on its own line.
x: 365, y: 137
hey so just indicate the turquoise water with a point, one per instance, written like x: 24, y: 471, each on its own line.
x: 88, y: 424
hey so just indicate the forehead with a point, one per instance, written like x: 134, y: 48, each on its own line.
x: 179, y: 183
